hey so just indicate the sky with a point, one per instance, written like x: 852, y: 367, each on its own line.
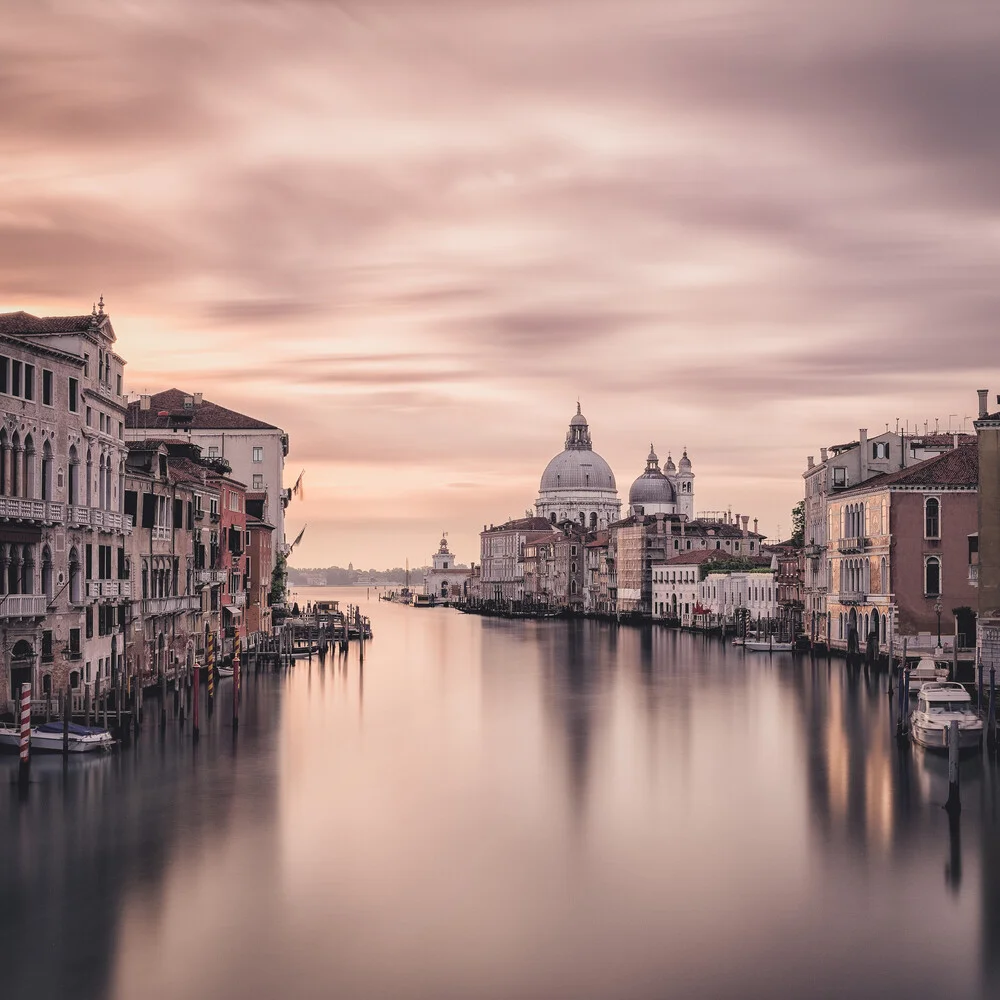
x: 413, y: 234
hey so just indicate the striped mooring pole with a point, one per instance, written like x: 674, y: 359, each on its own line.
x: 210, y: 656
x: 196, y: 704
x: 24, y: 744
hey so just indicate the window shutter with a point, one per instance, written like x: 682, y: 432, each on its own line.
x: 148, y: 510
x: 178, y: 513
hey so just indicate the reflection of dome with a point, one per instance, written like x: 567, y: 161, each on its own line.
x: 652, y: 488
x: 578, y: 467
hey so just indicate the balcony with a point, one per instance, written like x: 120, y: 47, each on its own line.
x: 852, y: 544
x: 109, y: 588
x: 42, y: 511
x: 214, y: 516
x: 974, y: 574
x: 23, y: 606
x: 170, y: 605
x: 238, y: 600
x: 103, y: 520
x: 814, y: 550
x: 210, y: 577
x: 199, y: 513
x: 850, y: 597
x: 161, y: 533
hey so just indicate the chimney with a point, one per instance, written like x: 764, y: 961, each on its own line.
x: 755, y: 526
x: 983, y: 406
x: 822, y: 454
x: 144, y: 402
x: 954, y: 440
x: 198, y: 399
x: 863, y: 439
x: 746, y: 520
x: 810, y: 462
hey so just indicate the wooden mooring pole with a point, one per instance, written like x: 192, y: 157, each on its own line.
x: 24, y: 743
x: 196, y: 704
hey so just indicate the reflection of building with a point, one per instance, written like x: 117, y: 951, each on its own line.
x: 63, y: 593
x: 446, y: 579
x: 900, y: 540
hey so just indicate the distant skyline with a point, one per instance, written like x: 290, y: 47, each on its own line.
x: 414, y: 234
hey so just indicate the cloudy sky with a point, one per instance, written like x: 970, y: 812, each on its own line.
x: 413, y: 233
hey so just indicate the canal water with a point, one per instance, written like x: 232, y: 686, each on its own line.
x: 501, y: 810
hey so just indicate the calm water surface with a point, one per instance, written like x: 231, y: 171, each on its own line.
x: 505, y: 810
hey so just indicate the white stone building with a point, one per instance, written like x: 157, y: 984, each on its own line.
x: 254, y: 449
x: 578, y: 485
x: 446, y: 578
x: 755, y: 591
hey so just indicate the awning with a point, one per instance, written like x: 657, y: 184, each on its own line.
x: 233, y: 609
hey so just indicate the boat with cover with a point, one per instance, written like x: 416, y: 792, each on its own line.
x: 938, y: 703
x: 10, y: 737
x: 927, y: 671
x: 48, y: 737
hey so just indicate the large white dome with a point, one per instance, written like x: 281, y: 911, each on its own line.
x: 577, y: 470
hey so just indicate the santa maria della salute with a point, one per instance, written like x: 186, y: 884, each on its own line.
x: 578, y: 485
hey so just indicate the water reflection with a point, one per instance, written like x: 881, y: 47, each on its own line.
x: 497, y: 809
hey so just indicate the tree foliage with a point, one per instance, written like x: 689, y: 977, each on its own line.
x: 799, y: 524
x: 279, y: 580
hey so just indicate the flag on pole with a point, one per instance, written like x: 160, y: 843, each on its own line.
x: 298, y: 538
x: 298, y: 490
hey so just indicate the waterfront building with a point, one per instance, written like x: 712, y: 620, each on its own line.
x: 791, y: 569
x: 501, y: 556
x: 984, y: 547
x: 597, y: 573
x: 259, y: 564
x: 751, y: 592
x: 843, y: 467
x: 554, y: 568
x: 165, y: 621
x: 899, y: 545
x: 676, y: 582
x: 63, y: 595
x: 578, y: 485
x: 254, y: 449
x: 446, y: 579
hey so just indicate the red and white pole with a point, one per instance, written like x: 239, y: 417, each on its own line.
x: 25, y: 742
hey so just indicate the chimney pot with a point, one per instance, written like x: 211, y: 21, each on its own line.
x: 822, y: 454
x: 810, y: 462
x: 982, y: 394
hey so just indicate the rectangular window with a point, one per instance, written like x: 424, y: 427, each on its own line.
x: 15, y: 378
x: 213, y: 451
x: 118, y: 383
x: 258, y: 454
x: 4, y: 374
x: 74, y: 400
x: 839, y: 476
x: 86, y: 365
x: 90, y: 417
x: 90, y: 621
x: 29, y: 381
x: 258, y: 482
x: 47, y: 656
x: 74, y: 644
x: 46, y: 387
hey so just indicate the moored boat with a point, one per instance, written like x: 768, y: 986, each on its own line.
x: 927, y: 671
x: 10, y: 737
x: 938, y: 704
x: 48, y: 737
x: 768, y: 646
x: 423, y: 600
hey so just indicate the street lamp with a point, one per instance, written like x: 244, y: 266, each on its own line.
x: 937, y: 610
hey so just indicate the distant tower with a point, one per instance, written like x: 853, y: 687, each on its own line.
x: 443, y: 559
x: 684, y: 481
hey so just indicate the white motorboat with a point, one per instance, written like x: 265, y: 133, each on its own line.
x: 48, y: 738
x: 768, y: 646
x: 927, y: 671
x: 10, y: 737
x: 938, y: 703
x: 224, y: 671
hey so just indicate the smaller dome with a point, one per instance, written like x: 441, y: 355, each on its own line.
x: 685, y: 463
x: 578, y: 419
x: 651, y: 458
x: 652, y: 488
x: 669, y: 467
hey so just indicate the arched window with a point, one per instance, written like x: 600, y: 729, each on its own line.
x: 75, y: 596
x: 28, y: 478
x: 14, y: 570
x: 932, y: 576
x: 89, y: 493
x: 4, y: 461
x: 15, y: 465
x: 46, y: 471
x: 47, y: 573
x: 552, y: 516
x: 27, y: 571
x: 74, y: 476
x: 932, y: 518
x: 884, y: 576
x: 145, y: 579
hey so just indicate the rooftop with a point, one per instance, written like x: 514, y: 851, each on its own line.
x: 958, y: 469
x: 22, y: 322
x: 205, y: 415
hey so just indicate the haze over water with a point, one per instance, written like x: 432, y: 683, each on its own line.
x: 505, y: 810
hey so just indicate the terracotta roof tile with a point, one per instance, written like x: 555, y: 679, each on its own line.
x: 22, y: 322
x: 956, y: 468
x: 206, y: 415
